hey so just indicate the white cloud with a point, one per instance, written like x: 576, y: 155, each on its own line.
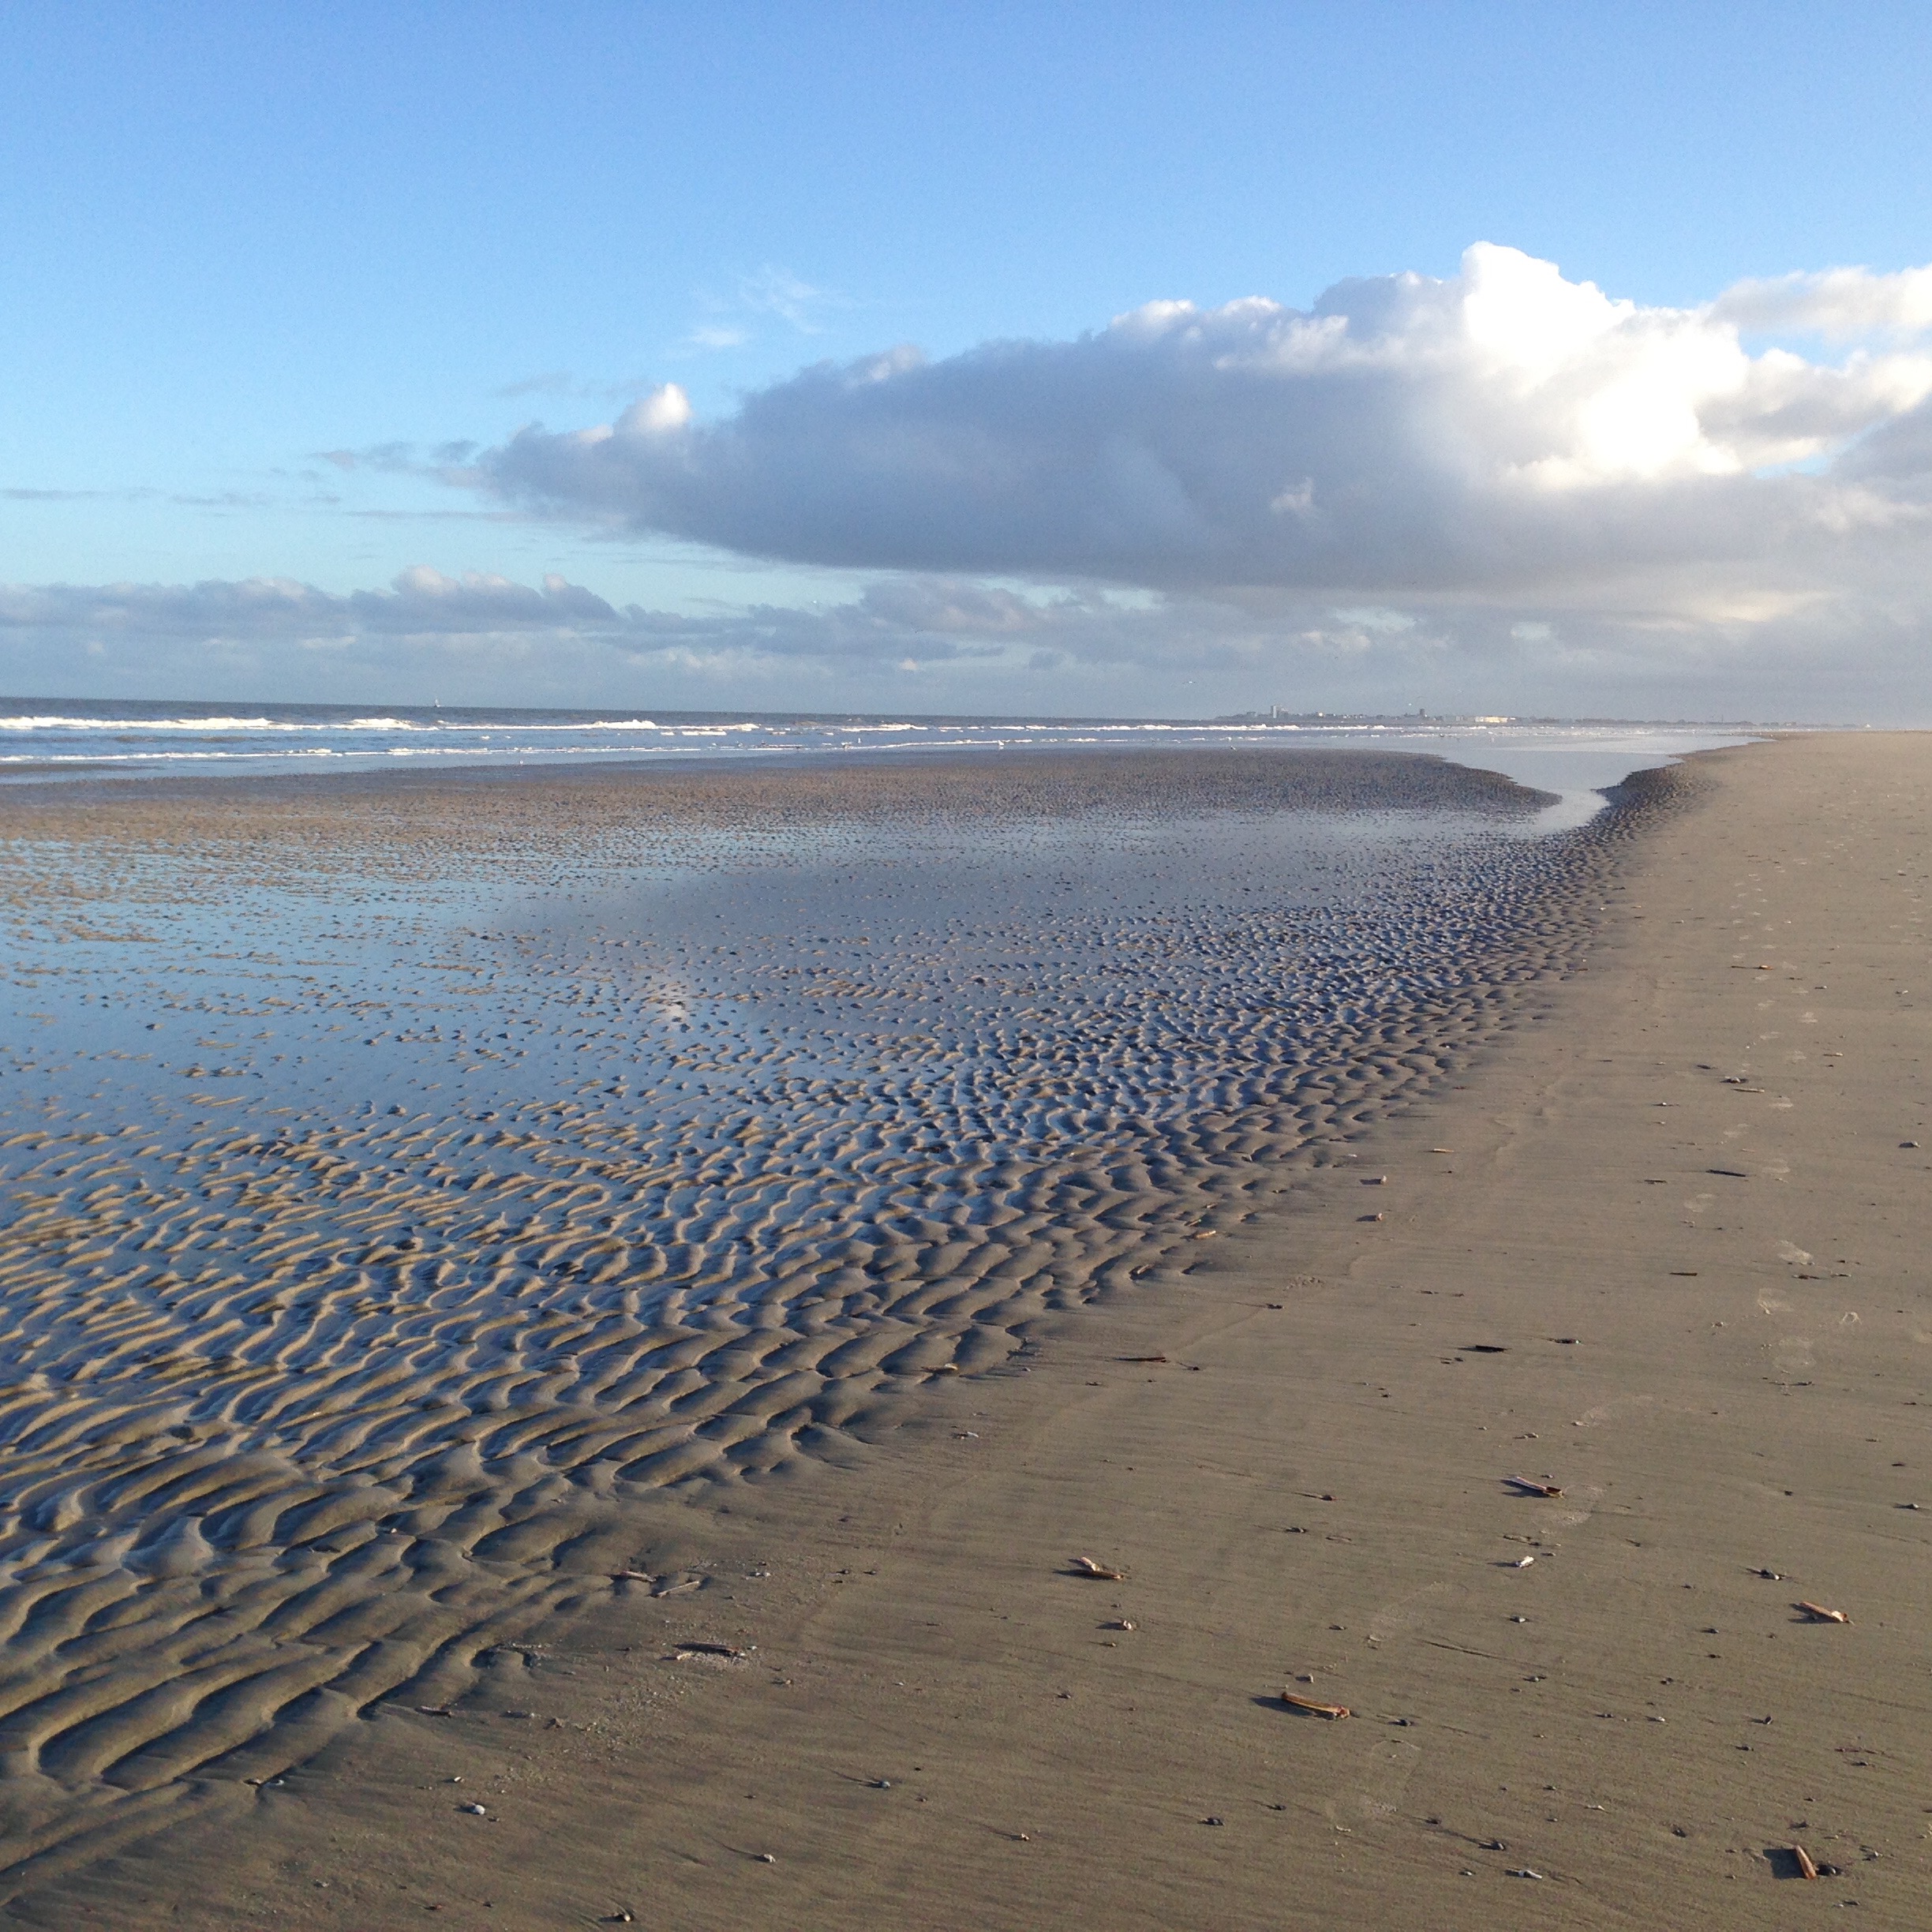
x: 1841, y: 305
x: 771, y: 293
x: 777, y: 291
x: 1503, y: 435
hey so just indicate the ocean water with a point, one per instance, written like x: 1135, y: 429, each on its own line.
x: 70, y: 738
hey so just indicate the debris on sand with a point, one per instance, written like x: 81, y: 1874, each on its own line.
x: 1315, y: 1707
x: 1086, y: 1566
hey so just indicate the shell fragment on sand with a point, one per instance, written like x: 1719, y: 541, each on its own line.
x: 1801, y: 1858
x: 1086, y: 1566
x: 1819, y: 1614
x: 1333, y: 1713
x: 1533, y: 1488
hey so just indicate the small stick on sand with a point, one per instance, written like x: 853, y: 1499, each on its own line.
x: 1803, y: 1859
x: 1086, y: 1566
x: 1534, y: 1488
x: 1819, y: 1614
x: 1331, y: 1712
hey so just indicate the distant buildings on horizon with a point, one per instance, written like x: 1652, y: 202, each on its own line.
x: 1304, y: 720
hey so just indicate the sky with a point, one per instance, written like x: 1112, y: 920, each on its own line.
x: 1119, y: 360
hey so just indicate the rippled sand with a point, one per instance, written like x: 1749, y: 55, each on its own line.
x: 402, y: 1179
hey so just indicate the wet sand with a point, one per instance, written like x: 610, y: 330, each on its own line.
x: 1666, y: 1264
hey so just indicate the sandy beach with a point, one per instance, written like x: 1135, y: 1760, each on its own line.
x: 1513, y: 1393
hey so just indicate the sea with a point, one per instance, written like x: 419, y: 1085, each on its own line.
x: 52, y: 738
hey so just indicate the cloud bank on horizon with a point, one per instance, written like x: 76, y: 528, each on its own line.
x: 1503, y: 482
x: 456, y: 616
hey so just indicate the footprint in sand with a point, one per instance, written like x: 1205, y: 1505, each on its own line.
x: 1403, y: 1612
x: 1609, y: 1411
x: 1378, y: 1778
x: 1586, y: 1500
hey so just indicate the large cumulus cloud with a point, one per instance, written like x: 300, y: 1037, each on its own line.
x: 1504, y: 434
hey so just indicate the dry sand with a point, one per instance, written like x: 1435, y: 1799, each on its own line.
x: 1670, y: 1262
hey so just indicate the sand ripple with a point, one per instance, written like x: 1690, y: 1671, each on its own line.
x: 346, y: 1315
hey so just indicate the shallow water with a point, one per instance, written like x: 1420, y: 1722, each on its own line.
x: 83, y: 740
x: 380, y: 1215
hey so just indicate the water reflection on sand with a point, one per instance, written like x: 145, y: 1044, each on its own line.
x: 398, y: 1180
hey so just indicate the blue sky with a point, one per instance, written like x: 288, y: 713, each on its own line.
x: 282, y: 285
